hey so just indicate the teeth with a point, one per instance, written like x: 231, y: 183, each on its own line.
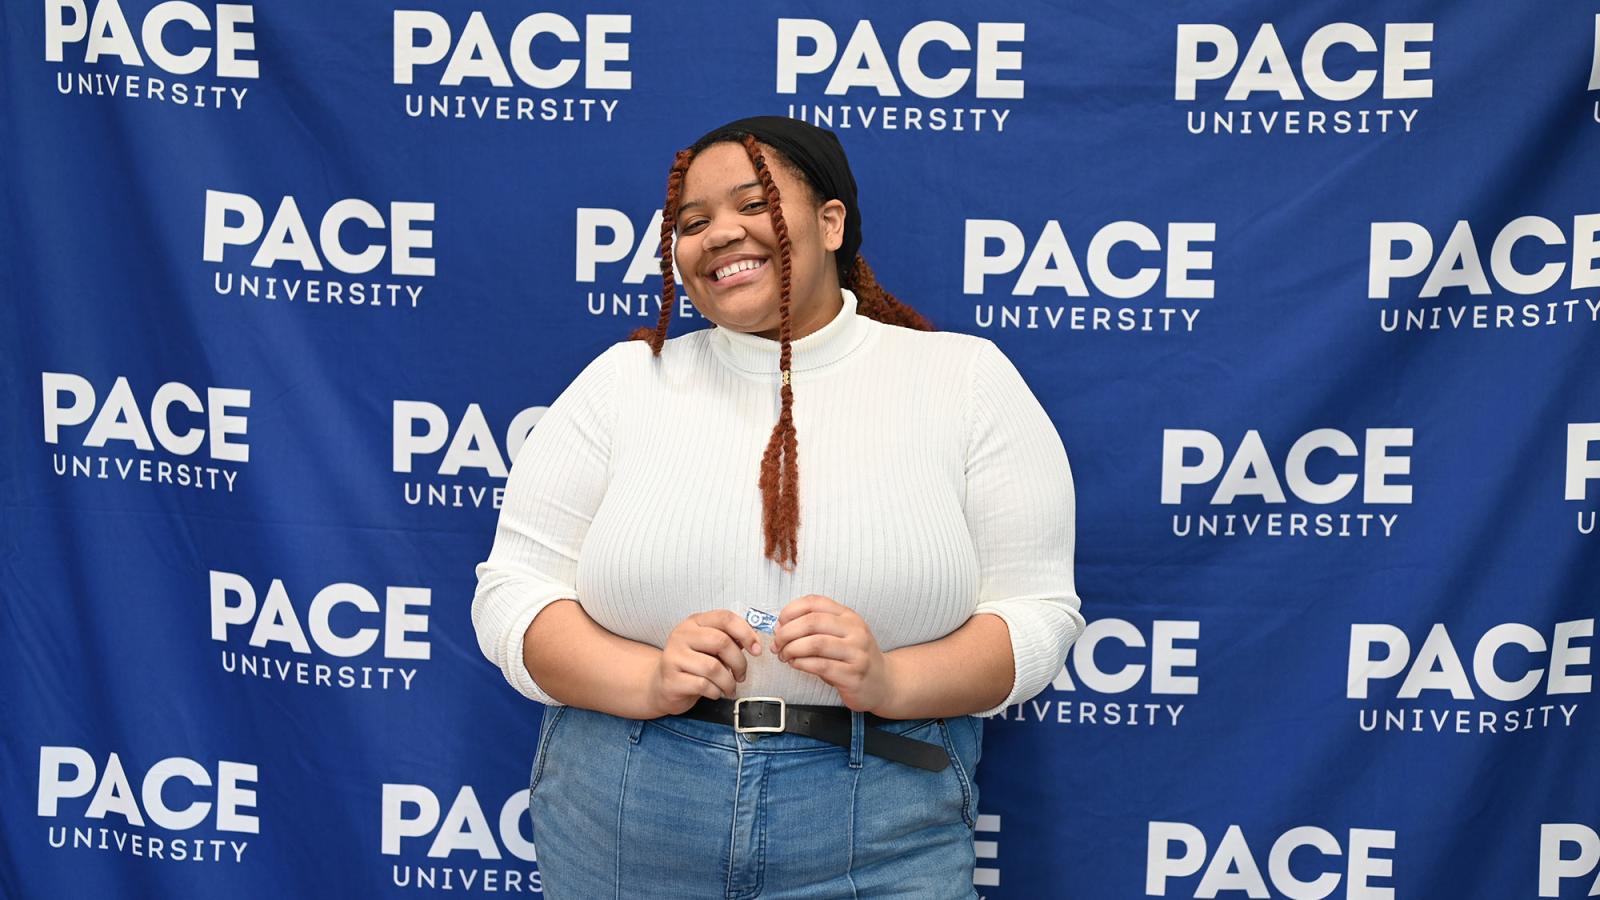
x: 739, y: 266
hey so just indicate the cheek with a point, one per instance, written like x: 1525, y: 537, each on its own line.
x: 687, y: 255
x: 805, y: 249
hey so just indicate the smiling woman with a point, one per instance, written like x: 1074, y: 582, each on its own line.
x: 727, y: 237
x: 725, y: 715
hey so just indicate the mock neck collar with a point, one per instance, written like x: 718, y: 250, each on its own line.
x: 830, y: 343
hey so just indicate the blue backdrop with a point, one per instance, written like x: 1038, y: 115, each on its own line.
x: 1311, y: 292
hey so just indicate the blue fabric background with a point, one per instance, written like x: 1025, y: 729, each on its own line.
x: 107, y: 583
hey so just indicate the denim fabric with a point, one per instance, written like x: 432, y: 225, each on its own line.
x: 681, y: 808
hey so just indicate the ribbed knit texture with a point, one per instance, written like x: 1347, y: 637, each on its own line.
x: 933, y: 486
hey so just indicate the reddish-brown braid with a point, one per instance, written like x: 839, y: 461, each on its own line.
x: 779, y: 481
x: 669, y: 224
x: 780, y: 489
x: 874, y: 302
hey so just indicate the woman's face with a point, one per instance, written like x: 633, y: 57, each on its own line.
x: 723, y: 219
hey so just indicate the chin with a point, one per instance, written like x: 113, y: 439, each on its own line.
x: 746, y: 316
x: 750, y: 326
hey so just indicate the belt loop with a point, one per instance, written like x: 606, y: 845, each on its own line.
x: 857, y: 737
x: 633, y: 730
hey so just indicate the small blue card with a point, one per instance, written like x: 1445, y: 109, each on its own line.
x: 760, y: 619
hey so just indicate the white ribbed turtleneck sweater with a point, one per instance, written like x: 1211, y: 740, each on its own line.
x: 933, y: 487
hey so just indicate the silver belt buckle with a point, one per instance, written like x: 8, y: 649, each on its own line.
x: 746, y: 729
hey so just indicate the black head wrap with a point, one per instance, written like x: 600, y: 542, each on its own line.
x: 817, y: 153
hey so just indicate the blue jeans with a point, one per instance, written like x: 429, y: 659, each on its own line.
x: 682, y: 808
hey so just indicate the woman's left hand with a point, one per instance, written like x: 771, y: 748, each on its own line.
x: 831, y: 641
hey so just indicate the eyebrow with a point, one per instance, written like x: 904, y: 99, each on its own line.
x: 731, y: 191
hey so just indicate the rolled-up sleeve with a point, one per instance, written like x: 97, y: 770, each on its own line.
x: 1020, y: 508
x: 555, y: 485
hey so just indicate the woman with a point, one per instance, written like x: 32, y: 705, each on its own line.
x: 690, y: 754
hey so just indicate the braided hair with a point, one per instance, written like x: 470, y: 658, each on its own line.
x: 780, y: 475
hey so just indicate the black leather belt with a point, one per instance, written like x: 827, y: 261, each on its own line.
x: 759, y: 715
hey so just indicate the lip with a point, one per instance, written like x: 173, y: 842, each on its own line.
x: 737, y: 278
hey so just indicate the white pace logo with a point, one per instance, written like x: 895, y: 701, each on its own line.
x: 1521, y: 678
x: 282, y: 261
x: 615, y: 253
x: 1174, y: 267
x: 986, y: 67
x: 986, y: 847
x: 1156, y: 663
x: 224, y: 802
x: 1583, y: 468
x: 1555, y: 866
x: 1404, y: 250
x: 460, y: 842
x: 367, y: 651
x: 472, y: 453
x: 1208, y: 55
x: 1594, y: 68
x: 213, y: 421
x: 552, y: 85
x: 217, y: 46
x: 1195, y: 458
x: 1179, y: 850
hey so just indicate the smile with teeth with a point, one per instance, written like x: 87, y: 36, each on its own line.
x: 732, y: 269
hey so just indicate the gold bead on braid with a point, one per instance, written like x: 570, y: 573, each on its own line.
x: 785, y: 376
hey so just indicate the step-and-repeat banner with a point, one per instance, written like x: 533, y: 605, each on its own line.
x: 1311, y: 292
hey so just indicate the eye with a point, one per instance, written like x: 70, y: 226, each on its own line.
x: 751, y: 205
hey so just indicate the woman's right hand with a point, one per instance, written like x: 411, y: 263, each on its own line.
x: 703, y: 657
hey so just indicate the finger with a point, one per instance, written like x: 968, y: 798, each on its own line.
x: 713, y: 690
x: 727, y: 652
x: 700, y: 665
x: 817, y: 646
x: 733, y: 625
x: 718, y: 643
x: 811, y: 623
x: 810, y: 603
x: 699, y: 685
x: 707, y: 639
x: 743, y: 632
x: 712, y: 669
x: 687, y: 684
x: 819, y: 666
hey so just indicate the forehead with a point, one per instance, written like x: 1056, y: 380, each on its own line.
x: 726, y: 165
x: 719, y: 165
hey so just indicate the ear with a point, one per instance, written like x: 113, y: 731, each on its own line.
x: 832, y: 216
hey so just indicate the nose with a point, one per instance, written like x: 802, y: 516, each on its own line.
x: 722, y: 232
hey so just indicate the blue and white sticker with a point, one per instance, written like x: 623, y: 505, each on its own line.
x: 760, y: 619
